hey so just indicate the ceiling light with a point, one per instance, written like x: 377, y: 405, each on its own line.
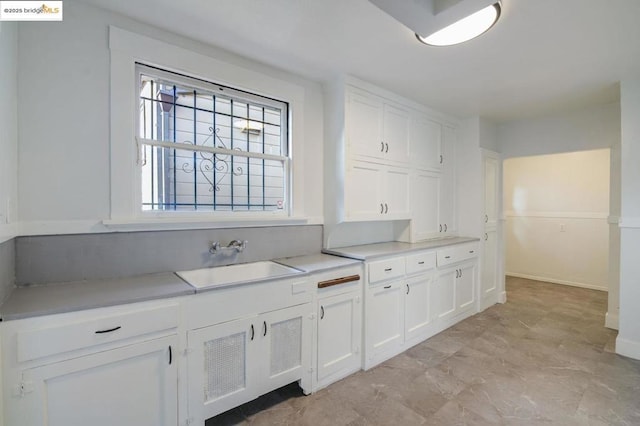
x: 465, y: 29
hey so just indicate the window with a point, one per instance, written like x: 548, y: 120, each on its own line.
x: 207, y: 147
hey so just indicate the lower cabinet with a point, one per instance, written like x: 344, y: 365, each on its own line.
x: 234, y: 362
x: 455, y: 293
x: 133, y: 385
x: 417, y: 311
x: 384, y: 320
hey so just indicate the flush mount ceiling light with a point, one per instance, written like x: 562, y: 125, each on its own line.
x: 444, y: 22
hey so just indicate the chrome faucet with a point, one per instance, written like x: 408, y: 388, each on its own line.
x: 236, y: 245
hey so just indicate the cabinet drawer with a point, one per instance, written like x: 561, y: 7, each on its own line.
x: 420, y: 262
x: 42, y: 342
x: 386, y: 269
x: 458, y: 253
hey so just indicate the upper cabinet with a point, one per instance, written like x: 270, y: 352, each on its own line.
x: 388, y: 158
x: 376, y: 129
x: 425, y: 143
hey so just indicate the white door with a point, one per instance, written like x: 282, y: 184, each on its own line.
x: 417, y: 314
x: 222, y: 367
x: 396, y: 196
x: 444, y: 295
x: 285, y: 347
x: 364, y: 125
x: 425, y: 194
x: 489, y: 279
x: 395, y: 133
x: 448, y: 184
x: 339, y: 334
x: 130, y: 386
x: 425, y: 140
x: 385, y: 329
x: 465, y: 287
x: 363, y: 191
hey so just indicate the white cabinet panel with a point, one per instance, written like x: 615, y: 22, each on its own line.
x: 130, y: 386
x: 425, y: 140
x: 395, y: 133
x: 417, y: 312
x: 364, y: 125
x: 489, y: 275
x: 386, y: 269
x: 490, y: 191
x: 465, y: 287
x: 448, y: 183
x: 385, y: 315
x: 425, y: 196
x: 396, y: 193
x: 339, y: 334
x: 444, y: 295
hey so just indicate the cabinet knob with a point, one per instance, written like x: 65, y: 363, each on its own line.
x: 386, y: 208
x: 381, y: 146
x: 387, y: 147
x: 381, y: 208
x: 408, y: 289
x: 440, y: 227
x: 321, y: 312
x: 264, y: 324
x: 253, y: 333
x: 445, y: 227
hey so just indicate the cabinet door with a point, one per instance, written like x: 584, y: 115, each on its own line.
x: 489, y: 279
x: 396, y: 195
x: 222, y: 367
x: 465, y: 288
x: 425, y: 214
x: 363, y: 191
x: 395, y: 133
x: 130, y: 386
x: 490, y: 191
x: 425, y: 140
x: 448, y: 184
x: 417, y: 312
x: 385, y: 317
x: 364, y: 125
x: 339, y: 334
x: 285, y: 347
x: 444, y: 295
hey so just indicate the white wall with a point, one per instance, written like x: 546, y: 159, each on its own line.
x: 590, y: 128
x: 8, y: 129
x: 556, y: 209
x: 64, y: 177
x: 628, y: 341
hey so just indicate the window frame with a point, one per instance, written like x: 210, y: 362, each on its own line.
x: 210, y: 87
x: 126, y: 49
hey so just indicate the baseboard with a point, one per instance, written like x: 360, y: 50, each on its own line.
x: 557, y: 281
x: 611, y: 321
x: 628, y: 348
x: 502, y: 297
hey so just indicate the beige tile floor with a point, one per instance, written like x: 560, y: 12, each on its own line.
x: 544, y: 357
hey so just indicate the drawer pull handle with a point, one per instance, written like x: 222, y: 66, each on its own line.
x: 321, y: 312
x: 264, y: 323
x: 420, y: 263
x: 109, y: 330
x: 253, y: 332
x: 408, y: 289
x: 388, y: 269
x: 337, y: 281
x: 447, y: 257
x: 387, y: 286
x: 170, y: 355
x: 471, y: 251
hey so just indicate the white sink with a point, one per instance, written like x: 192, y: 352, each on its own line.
x: 223, y: 276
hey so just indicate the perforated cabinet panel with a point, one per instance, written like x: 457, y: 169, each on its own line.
x: 225, y: 367
x: 286, y: 345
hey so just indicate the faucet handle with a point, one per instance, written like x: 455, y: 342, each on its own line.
x: 215, y: 246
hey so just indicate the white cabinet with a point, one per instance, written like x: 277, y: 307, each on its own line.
x: 455, y: 289
x: 376, y: 128
x: 417, y: 312
x: 491, y: 171
x: 489, y: 275
x: 244, y: 341
x: 491, y: 266
x: 237, y: 361
x: 376, y: 192
x: 133, y: 385
x: 425, y: 143
x: 105, y: 366
x: 425, y: 195
x: 385, y: 320
x: 338, y: 333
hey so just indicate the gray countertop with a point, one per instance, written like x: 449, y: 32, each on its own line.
x: 317, y: 262
x: 31, y: 301
x: 372, y: 251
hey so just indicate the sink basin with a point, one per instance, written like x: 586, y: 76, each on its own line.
x: 223, y: 276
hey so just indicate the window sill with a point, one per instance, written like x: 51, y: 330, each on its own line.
x: 178, y: 223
